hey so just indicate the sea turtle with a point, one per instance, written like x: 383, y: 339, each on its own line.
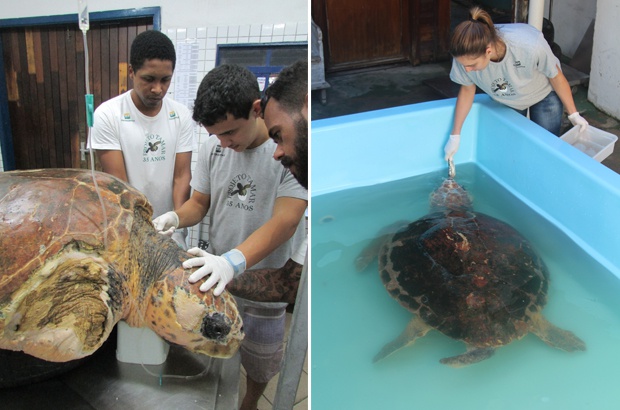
x: 469, y: 275
x: 71, y: 269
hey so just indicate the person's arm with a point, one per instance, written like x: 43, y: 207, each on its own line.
x: 194, y: 209
x: 189, y: 214
x: 182, y: 177
x: 464, y: 101
x: 287, y: 213
x: 113, y: 163
x: 268, y: 285
x: 562, y: 88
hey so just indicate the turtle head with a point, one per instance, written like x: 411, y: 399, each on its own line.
x: 450, y: 195
x: 199, y: 321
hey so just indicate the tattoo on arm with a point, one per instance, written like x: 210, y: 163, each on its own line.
x: 268, y: 285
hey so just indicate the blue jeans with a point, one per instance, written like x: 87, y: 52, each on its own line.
x: 547, y: 113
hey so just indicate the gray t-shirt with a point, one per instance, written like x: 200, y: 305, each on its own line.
x: 243, y: 187
x: 521, y: 79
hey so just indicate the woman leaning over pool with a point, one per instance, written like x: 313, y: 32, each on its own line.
x: 514, y: 64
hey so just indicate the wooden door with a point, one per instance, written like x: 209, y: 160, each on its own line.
x: 45, y: 81
x: 364, y: 33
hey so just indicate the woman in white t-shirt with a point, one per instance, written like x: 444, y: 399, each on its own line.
x: 514, y: 64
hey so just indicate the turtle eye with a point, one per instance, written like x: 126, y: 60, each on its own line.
x: 215, y: 327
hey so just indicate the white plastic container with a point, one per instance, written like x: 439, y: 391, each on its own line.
x: 139, y: 345
x: 594, y: 142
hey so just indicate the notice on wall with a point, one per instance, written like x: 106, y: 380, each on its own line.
x: 186, y: 72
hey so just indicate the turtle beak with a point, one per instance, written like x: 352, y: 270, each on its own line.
x: 215, y: 327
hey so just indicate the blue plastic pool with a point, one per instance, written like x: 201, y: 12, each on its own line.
x: 372, y: 169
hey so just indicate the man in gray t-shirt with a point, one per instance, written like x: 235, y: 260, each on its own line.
x: 256, y: 210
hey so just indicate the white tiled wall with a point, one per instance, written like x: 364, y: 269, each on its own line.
x: 202, y: 42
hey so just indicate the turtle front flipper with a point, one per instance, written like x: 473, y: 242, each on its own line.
x: 371, y: 251
x: 554, y: 336
x: 473, y: 355
x: 415, y: 329
x: 62, y: 313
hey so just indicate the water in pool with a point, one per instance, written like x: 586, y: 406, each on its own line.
x: 353, y: 316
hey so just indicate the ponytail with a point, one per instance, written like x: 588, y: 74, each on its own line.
x: 473, y: 36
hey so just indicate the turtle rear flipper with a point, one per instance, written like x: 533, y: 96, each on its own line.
x: 554, y: 336
x: 473, y: 355
x: 415, y: 329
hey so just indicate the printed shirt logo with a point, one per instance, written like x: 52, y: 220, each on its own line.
x: 172, y: 115
x: 218, y: 151
x: 517, y: 64
x: 154, y: 149
x: 502, y: 88
x: 241, y: 193
x: 126, y: 117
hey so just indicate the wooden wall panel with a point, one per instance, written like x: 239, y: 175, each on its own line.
x: 365, y: 33
x: 45, y: 75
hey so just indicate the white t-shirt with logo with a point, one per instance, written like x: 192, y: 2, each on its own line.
x: 244, y: 187
x: 149, y: 144
x: 521, y: 79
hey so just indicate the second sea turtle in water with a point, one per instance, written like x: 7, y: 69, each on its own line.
x: 469, y: 275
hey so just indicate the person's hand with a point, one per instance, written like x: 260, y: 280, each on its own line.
x: 577, y: 119
x: 166, y: 223
x: 452, y: 146
x: 221, y: 268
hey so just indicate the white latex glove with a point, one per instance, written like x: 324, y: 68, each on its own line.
x: 221, y: 268
x: 166, y: 223
x: 577, y: 119
x: 452, y: 146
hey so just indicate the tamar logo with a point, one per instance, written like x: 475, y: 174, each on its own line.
x: 517, y: 64
x: 502, y: 88
x: 154, y: 149
x: 172, y: 115
x: 126, y: 117
x: 241, y: 193
x: 153, y: 146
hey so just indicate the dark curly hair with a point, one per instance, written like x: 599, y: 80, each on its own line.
x: 149, y: 45
x: 290, y: 88
x: 227, y: 89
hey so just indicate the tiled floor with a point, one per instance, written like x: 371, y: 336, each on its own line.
x: 266, y: 402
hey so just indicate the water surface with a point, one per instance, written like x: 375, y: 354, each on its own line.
x: 353, y: 316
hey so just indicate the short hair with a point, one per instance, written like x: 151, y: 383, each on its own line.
x: 290, y: 88
x: 151, y: 44
x: 227, y: 89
